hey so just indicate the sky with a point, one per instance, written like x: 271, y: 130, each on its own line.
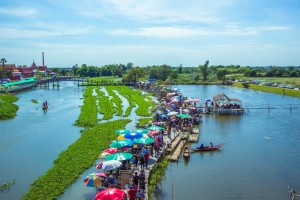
x: 150, y: 32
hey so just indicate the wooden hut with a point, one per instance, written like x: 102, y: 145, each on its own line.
x: 225, y: 105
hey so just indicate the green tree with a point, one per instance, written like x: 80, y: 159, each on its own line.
x: 221, y: 73
x: 3, y: 61
x: 204, y: 69
x: 164, y: 72
x: 75, y: 70
x: 135, y: 73
x: 180, y: 69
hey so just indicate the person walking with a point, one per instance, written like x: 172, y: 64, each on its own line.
x: 142, y: 162
x: 146, y: 157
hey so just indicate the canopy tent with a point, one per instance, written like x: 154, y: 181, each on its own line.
x: 23, y: 81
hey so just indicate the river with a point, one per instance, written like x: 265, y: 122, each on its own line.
x: 259, y: 159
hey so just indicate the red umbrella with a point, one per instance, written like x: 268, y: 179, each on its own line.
x: 111, y: 193
x: 111, y: 150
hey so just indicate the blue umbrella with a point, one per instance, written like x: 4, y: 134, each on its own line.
x: 140, y: 131
x: 133, y: 135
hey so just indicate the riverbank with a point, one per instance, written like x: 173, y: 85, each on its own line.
x: 270, y: 89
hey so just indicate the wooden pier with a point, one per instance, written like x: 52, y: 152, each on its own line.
x: 194, y: 136
x: 175, y: 155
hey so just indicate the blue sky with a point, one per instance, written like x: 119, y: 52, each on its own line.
x: 150, y: 32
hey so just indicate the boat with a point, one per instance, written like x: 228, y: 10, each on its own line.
x: 208, y: 148
x: 186, y: 152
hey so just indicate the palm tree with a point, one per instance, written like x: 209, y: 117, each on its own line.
x: 3, y: 61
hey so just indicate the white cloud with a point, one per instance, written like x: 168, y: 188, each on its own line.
x: 43, y: 31
x: 18, y: 11
x: 177, y: 32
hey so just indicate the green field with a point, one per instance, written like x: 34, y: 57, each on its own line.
x: 283, y: 91
x: 295, y: 81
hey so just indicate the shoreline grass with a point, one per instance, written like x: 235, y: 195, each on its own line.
x: 270, y: 89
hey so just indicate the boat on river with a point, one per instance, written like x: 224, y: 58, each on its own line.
x: 186, y: 152
x: 208, y: 148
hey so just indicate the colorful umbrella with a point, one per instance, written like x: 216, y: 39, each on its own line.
x: 111, y: 150
x: 124, y: 131
x: 119, y: 156
x: 111, y: 164
x: 140, y: 131
x: 133, y: 135
x: 121, y: 143
x: 155, y: 128
x: 100, y: 174
x: 184, y: 116
x: 143, y: 141
x: 145, y: 136
x: 121, y: 137
x: 99, y: 165
x: 154, y: 132
x: 92, y: 181
x: 111, y: 193
x: 172, y: 113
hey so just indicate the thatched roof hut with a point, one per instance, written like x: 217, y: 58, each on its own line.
x: 222, y: 97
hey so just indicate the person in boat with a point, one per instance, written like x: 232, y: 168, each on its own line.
x: 201, y: 146
x: 211, y: 145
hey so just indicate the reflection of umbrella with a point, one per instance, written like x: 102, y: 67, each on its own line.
x: 124, y: 131
x: 92, y: 181
x: 119, y: 156
x: 111, y: 193
x: 111, y: 150
x: 101, y: 174
x: 121, y: 137
x: 133, y: 135
x: 153, y: 132
x: 143, y: 141
x: 121, y: 143
x: 184, y: 116
x: 111, y: 164
x: 172, y: 113
x: 155, y: 128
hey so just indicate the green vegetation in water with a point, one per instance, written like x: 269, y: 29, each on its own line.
x: 136, y: 97
x: 115, y: 98
x: 34, y: 101
x: 144, y: 121
x: 283, y: 91
x: 72, y: 162
x: 88, y: 113
x: 106, y: 107
x: 4, y: 187
x: 8, y: 110
x: 157, y: 173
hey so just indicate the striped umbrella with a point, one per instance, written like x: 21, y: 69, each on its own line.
x: 92, y: 181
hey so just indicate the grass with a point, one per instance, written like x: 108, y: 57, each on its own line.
x: 72, y: 162
x: 295, y: 81
x: 283, y: 91
x: 8, y: 110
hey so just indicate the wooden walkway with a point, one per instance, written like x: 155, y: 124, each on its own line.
x: 175, y: 155
x: 194, y: 137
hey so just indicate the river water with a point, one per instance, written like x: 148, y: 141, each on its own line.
x: 260, y: 158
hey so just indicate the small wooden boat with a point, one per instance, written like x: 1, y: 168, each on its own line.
x: 208, y: 148
x: 186, y: 152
